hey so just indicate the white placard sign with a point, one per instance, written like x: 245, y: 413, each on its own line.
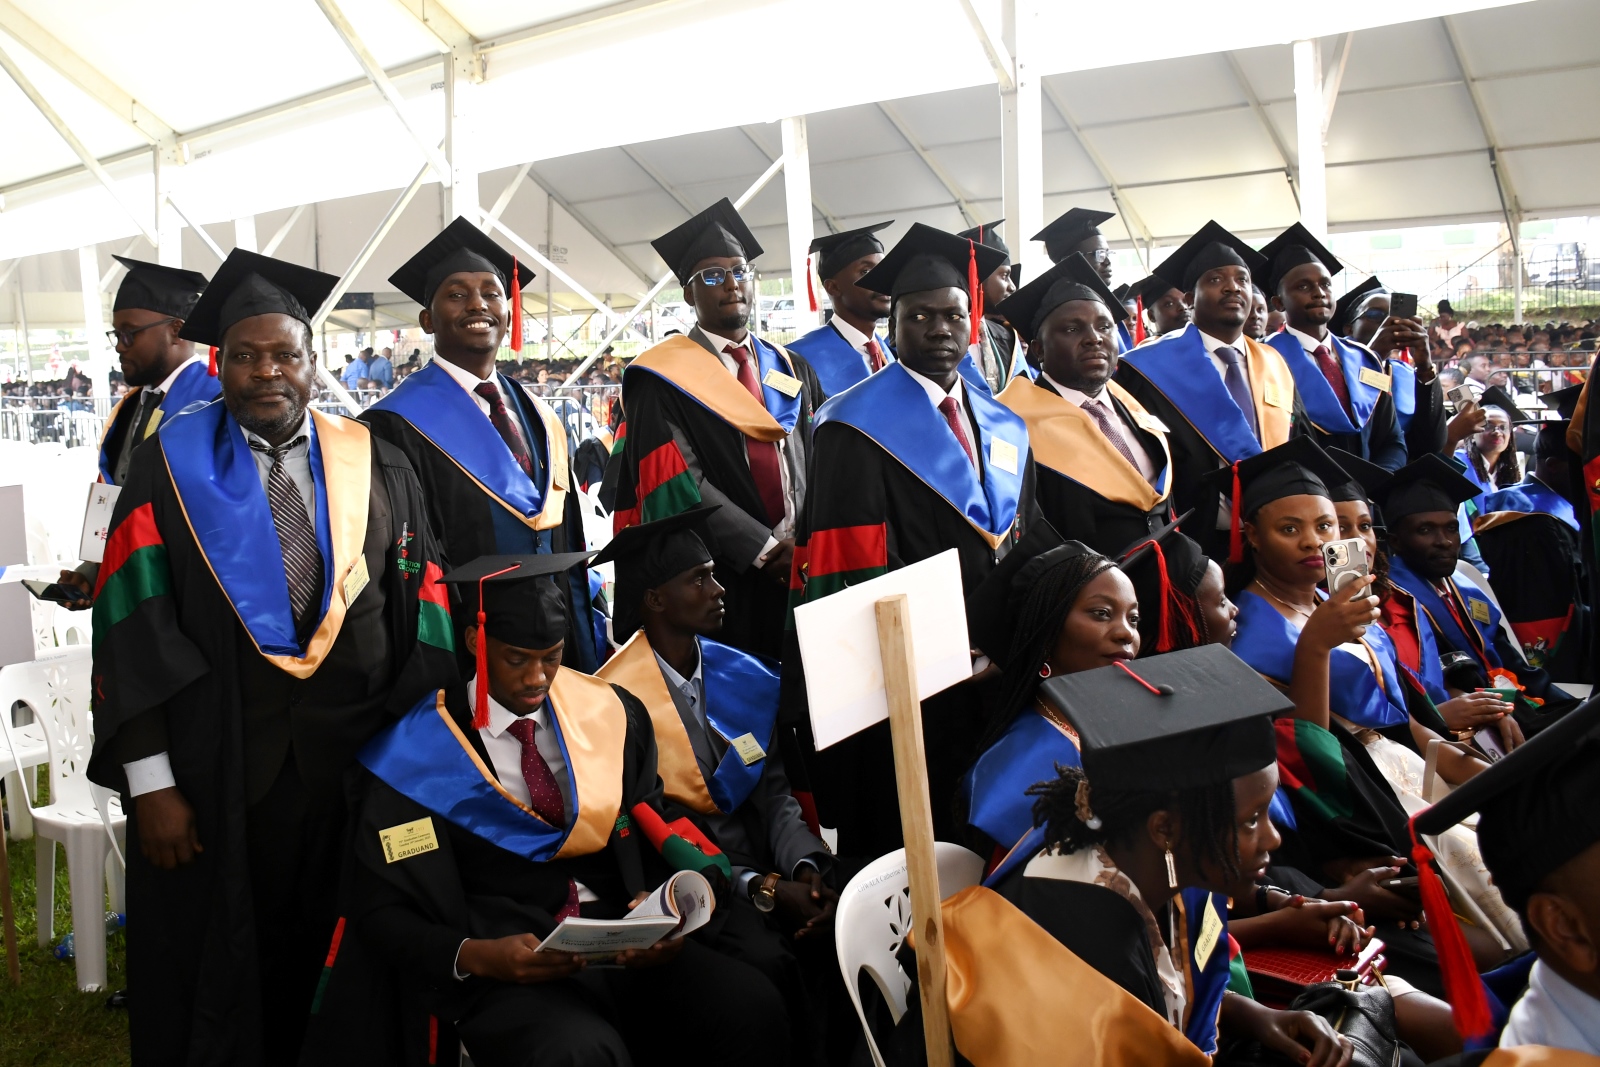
x: 97, y: 521
x: 839, y: 645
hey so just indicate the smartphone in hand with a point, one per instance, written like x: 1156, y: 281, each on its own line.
x: 1346, y: 562
x: 1403, y: 305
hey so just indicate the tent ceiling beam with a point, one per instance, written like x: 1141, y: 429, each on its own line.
x: 549, y: 265
x: 199, y: 231
x: 86, y: 76
x: 380, y: 81
x: 77, y: 146
x: 834, y: 225
x: 994, y: 49
x: 1131, y: 219
x: 581, y: 20
x: 283, y: 231
x: 890, y: 113
x: 1271, y: 131
x: 114, y: 271
x: 1330, y: 82
x: 1509, y: 204
x: 656, y: 176
x: 582, y: 220
x: 434, y: 17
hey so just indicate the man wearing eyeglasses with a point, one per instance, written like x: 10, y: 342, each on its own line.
x: 1362, y: 315
x: 721, y: 416
x: 162, y: 371
x: 1078, y: 230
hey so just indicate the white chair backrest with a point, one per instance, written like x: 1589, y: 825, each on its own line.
x: 874, y: 915
x: 59, y: 685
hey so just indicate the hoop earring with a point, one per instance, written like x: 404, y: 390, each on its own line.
x: 1044, y: 671
x: 1172, y: 871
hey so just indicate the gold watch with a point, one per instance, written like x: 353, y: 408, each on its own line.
x: 765, y: 895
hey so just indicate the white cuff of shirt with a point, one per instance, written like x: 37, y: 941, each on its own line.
x: 772, y: 543
x: 455, y: 965
x: 149, y: 774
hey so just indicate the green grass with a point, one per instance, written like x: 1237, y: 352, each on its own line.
x: 47, y: 1021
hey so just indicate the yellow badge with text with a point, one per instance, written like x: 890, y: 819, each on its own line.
x: 408, y: 839
x: 1003, y: 455
x: 1210, y: 934
x: 155, y: 420
x: 748, y: 748
x: 1148, y: 422
x: 1276, y: 396
x: 782, y: 382
x: 1375, y: 379
x: 1479, y: 610
x: 356, y: 580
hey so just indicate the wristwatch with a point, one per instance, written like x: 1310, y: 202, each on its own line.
x: 765, y: 895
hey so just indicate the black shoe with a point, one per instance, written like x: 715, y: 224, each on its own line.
x: 119, y: 999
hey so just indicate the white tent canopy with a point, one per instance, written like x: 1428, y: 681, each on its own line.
x: 627, y: 126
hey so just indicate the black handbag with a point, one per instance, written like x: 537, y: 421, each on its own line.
x: 1364, y: 1015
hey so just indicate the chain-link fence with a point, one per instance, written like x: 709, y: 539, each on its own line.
x: 1559, y: 283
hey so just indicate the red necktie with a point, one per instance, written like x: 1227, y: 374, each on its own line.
x: 874, y: 355
x: 509, y: 431
x: 952, y: 415
x: 1335, y: 375
x: 1096, y: 411
x: 544, y: 796
x: 764, y: 459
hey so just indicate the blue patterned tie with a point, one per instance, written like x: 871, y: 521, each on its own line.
x: 1233, y: 378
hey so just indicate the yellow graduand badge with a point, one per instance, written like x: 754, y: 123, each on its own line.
x: 783, y: 383
x: 748, y: 748
x: 1003, y: 455
x: 356, y: 580
x: 1210, y: 934
x: 408, y: 839
x: 1478, y: 609
x: 1375, y: 379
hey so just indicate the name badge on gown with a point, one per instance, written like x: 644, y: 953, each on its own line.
x: 355, y: 581
x: 1149, y: 423
x: 408, y: 839
x: 1210, y: 934
x: 1003, y: 455
x: 1274, y: 395
x: 1479, y: 610
x: 748, y: 748
x: 1375, y: 379
x: 783, y: 383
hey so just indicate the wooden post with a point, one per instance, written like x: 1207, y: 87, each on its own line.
x: 916, y: 820
x: 10, y: 919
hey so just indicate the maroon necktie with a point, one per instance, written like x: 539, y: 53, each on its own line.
x: 544, y: 796
x: 952, y: 415
x: 510, y: 432
x: 1096, y: 411
x: 1335, y: 375
x: 764, y: 459
x: 874, y: 355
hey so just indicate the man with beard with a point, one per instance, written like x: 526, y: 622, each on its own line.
x: 1078, y: 230
x: 268, y: 600
x: 912, y: 462
x: 721, y: 417
x: 1102, y: 470
x: 849, y: 347
x: 1362, y: 315
x: 163, y: 374
x: 492, y: 458
x: 1222, y: 396
x: 999, y: 353
x: 1345, y: 387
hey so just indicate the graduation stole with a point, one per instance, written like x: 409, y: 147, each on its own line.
x: 440, y: 410
x: 219, y: 490
x: 838, y: 365
x: 1362, y: 687
x: 1124, y: 338
x: 193, y: 385
x: 1403, y: 387
x: 1178, y: 366
x: 996, y: 786
x: 1364, y: 378
x: 1203, y: 946
x: 741, y: 697
x: 701, y: 377
x: 1069, y: 442
x: 893, y: 412
x: 1469, y: 603
x: 1530, y: 497
x: 427, y: 757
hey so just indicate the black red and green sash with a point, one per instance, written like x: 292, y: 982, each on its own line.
x: 133, y: 570
x: 193, y: 385
x: 1317, y: 396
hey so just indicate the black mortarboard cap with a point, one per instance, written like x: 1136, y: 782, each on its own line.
x: 717, y: 231
x: 650, y: 554
x: 1123, y: 291
x: 1346, y: 305
x: 1066, y: 230
x: 988, y: 234
x: 1564, y: 402
x: 522, y: 606
x: 1429, y: 483
x: 1074, y: 278
x: 249, y: 284
x: 1210, y: 248
x: 1166, y: 569
x: 836, y: 251
x: 992, y: 607
x: 1153, y: 288
x: 1298, y: 467
x: 458, y: 248
x: 1366, y: 479
x: 928, y: 258
x: 1496, y: 397
x: 1539, y: 805
x: 152, y: 287
x: 1183, y: 720
x: 1292, y: 248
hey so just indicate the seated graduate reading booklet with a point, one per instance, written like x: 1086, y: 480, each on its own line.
x: 681, y: 905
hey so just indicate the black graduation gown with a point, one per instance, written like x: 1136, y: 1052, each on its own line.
x: 857, y: 484
x: 1537, y: 564
x: 1426, y: 431
x: 465, y: 520
x: 178, y: 672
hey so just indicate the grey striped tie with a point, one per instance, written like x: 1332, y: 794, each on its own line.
x: 302, y: 561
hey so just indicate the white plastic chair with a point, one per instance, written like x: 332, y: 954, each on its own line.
x: 24, y: 749
x: 72, y: 816
x: 872, y: 920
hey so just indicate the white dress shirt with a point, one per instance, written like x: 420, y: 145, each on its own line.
x: 1129, y: 432
x: 1309, y: 343
x: 786, y: 527
x: 470, y: 382
x: 1555, y: 1013
x: 155, y: 772
x: 957, y: 392
x: 692, y: 687
x: 166, y: 383
x: 858, y: 340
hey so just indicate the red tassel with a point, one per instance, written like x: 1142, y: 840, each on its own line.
x: 975, y: 289
x: 480, y: 709
x: 1164, y: 635
x: 516, y: 309
x: 212, y: 369
x: 811, y: 292
x: 1235, y: 528
x: 1138, y: 326
x: 1462, y: 987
